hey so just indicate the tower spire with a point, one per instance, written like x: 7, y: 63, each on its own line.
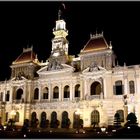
x: 59, y: 14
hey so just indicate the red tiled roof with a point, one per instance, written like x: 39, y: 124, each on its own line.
x: 95, y: 44
x: 26, y: 56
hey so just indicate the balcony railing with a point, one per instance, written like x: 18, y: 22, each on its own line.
x: 54, y: 100
x: 44, y: 100
x: 76, y: 99
x: 66, y: 99
x: 91, y: 97
x: 35, y: 101
x: 18, y: 101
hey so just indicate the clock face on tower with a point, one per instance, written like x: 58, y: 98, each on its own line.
x: 56, y: 54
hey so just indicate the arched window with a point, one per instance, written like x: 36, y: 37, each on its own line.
x: 36, y: 94
x: 65, y: 120
x: 45, y: 93
x: 56, y: 93
x: 131, y: 87
x: 19, y: 94
x: 53, y: 116
x: 33, y: 116
x: 43, y: 123
x: 66, y: 92
x: 121, y: 115
x: 54, y: 120
x: 118, y: 88
x: 77, y: 90
x: 95, y: 117
x: 17, y: 117
x: 95, y: 88
x: 34, y: 120
x: 7, y: 96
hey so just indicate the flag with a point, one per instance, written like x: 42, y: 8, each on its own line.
x: 63, y: 5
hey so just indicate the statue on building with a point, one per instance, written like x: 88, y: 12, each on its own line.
x: 94, y: 67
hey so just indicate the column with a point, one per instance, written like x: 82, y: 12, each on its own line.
x: 29, y: 98
x: 86, y: 88
x: 11, y: 95
x: 71, y: 92
x: 126, y: 85
x: 40, y: 92
x: 81, y: 90
x: 136, y: 84
x: 104, y: 88
x: 60, y: 92
x: 50, y: 91
x: 25, y: 92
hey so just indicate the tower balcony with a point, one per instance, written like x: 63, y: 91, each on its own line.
x: 60, y: 29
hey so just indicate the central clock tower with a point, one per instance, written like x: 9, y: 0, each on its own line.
x: 59, y: 42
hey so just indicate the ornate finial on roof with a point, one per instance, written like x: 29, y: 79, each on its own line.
x: 97, y: 35
x: 124, y: 64
x: 28, y: 49
x: 61, y: 9
x: 32, y: 47
x: 110, y: 45
x: 90, y: 35
x: 36, y: 56
x: 102, y: 33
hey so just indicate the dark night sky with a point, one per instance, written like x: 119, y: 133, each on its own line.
x: 27, y: 23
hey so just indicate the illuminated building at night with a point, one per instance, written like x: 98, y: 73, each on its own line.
x: 89, y: 87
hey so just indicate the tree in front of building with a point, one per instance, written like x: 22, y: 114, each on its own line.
x: 131, y: 119
x: 34, y: 123
x: 10, y: 125
x: 25, y: 126
x: 1, y: 126
x: 117, y: 122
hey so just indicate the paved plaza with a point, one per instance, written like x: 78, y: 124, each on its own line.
x: 69, y: 133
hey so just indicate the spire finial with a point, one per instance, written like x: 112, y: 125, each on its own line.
x: 90, y: 35
x: 102, y: 33
x: 124, y: 64
x: 110, y: 45
x: 36, y: 56
x: 59, y: 14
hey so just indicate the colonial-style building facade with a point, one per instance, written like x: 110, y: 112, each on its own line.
x: 89, y: 87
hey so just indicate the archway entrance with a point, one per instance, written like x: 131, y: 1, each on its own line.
x: 95, y: 118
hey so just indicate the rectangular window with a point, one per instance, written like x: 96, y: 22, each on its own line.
x: 131, y: 87
x: 1, y: 96
x: 118, y: 88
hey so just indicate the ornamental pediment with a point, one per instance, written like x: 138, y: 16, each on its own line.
x: 94, y: 69
x: 63, y: 68
x: 18, y: 78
